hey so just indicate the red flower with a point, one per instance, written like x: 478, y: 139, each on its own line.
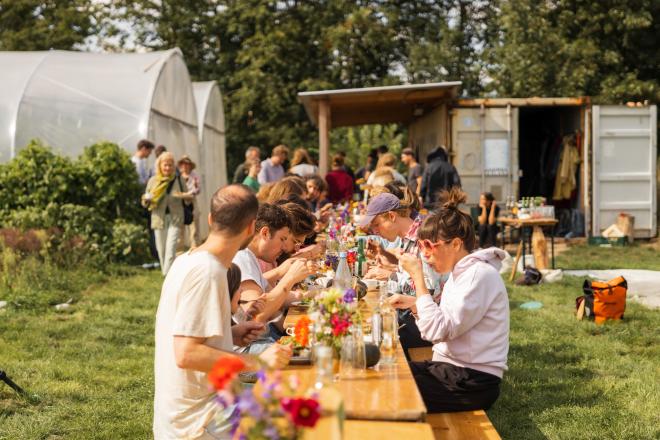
x: 339, y: 325
x: 303, y: 412
x: 225, y: 370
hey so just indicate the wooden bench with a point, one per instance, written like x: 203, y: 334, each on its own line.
x: 472, y: 425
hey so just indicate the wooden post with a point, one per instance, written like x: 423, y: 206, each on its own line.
x: 324, y: 135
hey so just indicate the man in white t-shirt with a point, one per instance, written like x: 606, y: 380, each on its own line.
x: 269, y: 242
x: 193, y: 325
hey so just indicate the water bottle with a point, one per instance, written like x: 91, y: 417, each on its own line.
x: 343, y: 279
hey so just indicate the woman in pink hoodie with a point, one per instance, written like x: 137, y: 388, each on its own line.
x: 469, y: 327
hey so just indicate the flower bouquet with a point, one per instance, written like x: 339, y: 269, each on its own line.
x: 267, y: 410
x: 333, y: 312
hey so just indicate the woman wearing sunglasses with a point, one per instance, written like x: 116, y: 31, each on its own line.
x: 470, y: 325
x: 389, y: 217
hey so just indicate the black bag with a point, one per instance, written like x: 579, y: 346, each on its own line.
x: 187, y: 207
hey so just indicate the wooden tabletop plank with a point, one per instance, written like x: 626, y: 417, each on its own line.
x: 384, y: 393
x: 517, y: 223
x: 370, y: 430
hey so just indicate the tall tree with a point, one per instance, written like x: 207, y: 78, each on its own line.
x: 46, y: 24
x: 608, y: 49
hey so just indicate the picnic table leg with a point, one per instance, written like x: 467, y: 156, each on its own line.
x: 552, y: 245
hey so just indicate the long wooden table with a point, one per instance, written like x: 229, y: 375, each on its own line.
x: 384, y: 393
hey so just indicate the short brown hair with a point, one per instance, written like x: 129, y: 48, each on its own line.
x: 233, y: 208
x: 233, y: 280
x: 273, y: 217
x: 301, y: 219
x: 319, y: 182
x: 338, y: 160
x: 145, y: 143
x: 408, y: 152
x: 449, y: 222
x: 280, y: 149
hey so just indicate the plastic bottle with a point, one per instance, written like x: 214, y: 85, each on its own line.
x: 343, y: 279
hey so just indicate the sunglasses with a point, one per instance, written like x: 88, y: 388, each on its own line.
x: 428, y: 245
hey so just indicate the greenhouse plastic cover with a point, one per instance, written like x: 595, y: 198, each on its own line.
x: 73, y: 99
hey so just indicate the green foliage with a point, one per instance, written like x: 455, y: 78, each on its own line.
x: 606, y: 49
x: 356, y: 142
x: 88, y: 207
x: 110, y: 182
x: 37, y: 177
x: 44, y: 25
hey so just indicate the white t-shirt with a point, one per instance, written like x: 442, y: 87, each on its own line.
x: 142, y: 169
x: 304, y: 169
x: 194, y: 302
x: 250, y: 270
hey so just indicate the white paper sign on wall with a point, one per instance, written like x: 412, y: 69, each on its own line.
x: 496, y: 157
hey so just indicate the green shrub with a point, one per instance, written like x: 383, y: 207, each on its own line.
x: 88, y: 207
x: 37, y: 177
x: 110, y: 182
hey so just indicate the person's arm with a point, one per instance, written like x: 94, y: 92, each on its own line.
x: 492, y: 217
x: 419, y: 185
x: 483, y: 217
x: 451, y: 318
x: 278, y: 295
x: 192, y: 353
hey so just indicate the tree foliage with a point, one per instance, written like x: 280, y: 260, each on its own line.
x: 608, y: 49
x: 44, y: 25
x: 263, y: 52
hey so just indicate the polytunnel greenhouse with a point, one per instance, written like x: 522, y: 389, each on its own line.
x: 70, y: 100
x: 211, y: 129
x: 73, y: 99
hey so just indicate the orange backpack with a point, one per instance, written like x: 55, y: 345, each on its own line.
x: 603, y: 300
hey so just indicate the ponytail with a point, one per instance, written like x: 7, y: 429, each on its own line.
x: 449, y: 222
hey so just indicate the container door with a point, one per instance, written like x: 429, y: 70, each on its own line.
x: 485, y: 150
x: 624, y: 167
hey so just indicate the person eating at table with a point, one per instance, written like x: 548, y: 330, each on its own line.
x: 272, y: 229
x: 389, y: 217
x: 469, y: 327
x: 194, y: 325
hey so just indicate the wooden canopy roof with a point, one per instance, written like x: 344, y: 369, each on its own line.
x: 378, y: 105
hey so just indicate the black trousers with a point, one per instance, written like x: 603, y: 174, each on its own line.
x: 448, y: 388
x: 409, y: 335
x: 488, y: 235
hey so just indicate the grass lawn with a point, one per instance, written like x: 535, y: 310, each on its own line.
x: 91, y: 370
x: 636, y: 256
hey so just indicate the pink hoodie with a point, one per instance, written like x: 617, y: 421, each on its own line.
x: 470, y: 326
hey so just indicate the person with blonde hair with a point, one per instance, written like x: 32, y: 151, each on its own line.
x: 387, y: 161
x: 272, y: 169
x: 164, y: 198
x: 302, y: 163
x: 285, y: 187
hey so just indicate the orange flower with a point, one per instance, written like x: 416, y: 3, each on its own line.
x: 224, y: 371
x: 301, y: 331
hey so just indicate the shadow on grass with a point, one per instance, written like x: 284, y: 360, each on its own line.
x: 539, y: 378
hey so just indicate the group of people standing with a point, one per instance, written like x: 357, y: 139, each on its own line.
x: 341, y: 182
x: 169, y: 200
